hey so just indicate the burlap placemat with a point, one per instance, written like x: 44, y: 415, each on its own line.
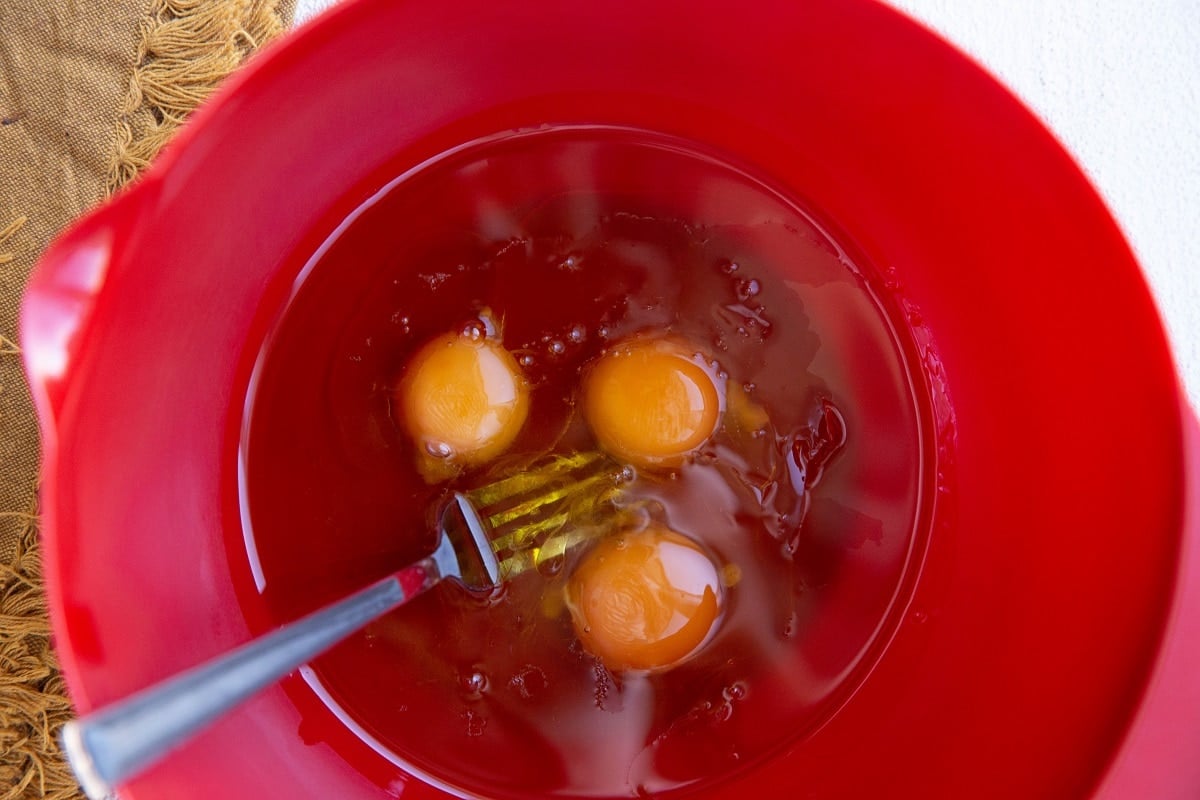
x: 89, y: 92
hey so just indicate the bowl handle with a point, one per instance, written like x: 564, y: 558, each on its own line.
x: 64, y: 290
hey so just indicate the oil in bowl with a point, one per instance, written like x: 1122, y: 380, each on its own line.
x: 594, y: 290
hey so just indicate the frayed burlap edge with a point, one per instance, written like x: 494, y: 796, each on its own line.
x: 7, y: 233
x: 187, y: 47
x: 33, y: 701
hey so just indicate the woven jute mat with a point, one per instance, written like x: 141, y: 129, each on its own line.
x: 89, y: 92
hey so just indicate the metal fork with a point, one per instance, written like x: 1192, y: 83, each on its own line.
x: 486, y: 536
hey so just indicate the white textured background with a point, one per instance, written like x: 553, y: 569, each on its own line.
x: 1118, y: 81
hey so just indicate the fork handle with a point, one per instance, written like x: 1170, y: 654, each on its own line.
x: 109, y: 746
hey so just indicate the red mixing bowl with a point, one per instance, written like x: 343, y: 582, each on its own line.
x: 1050, y: 645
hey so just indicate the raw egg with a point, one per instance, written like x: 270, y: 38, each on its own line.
x: 463, y: 401
x: 645, y: 600
x: 653, y: 401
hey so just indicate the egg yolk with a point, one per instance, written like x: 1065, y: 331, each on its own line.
x: 644, y: 600
x: 463, y: 400
x: 652, y: 402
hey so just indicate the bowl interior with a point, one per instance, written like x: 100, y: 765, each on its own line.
x: 571, y: 240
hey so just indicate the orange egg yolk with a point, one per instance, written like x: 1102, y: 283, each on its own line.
x: 644, y: 600
x: 463, y: 400
x: 652, y: 402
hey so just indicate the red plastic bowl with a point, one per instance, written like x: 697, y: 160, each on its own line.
x: 1050, y: 647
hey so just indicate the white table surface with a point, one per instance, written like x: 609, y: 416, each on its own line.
x: 1118, y: 81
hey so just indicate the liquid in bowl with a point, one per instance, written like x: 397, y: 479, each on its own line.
x: 574, y: 241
